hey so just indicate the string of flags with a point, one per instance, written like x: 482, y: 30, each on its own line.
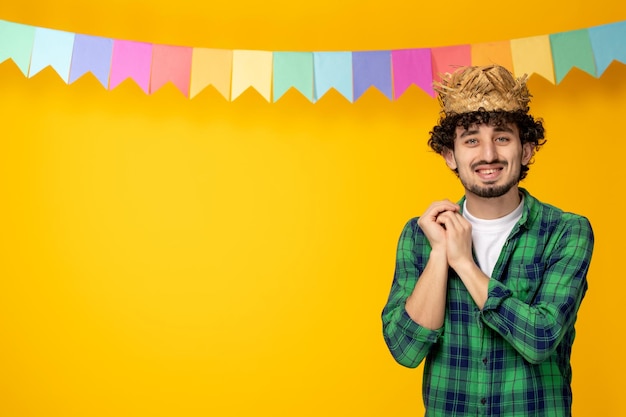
x: 313, y: 74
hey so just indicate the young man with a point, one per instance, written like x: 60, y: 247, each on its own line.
x: 487, y: 290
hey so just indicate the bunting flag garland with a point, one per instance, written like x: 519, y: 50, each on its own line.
x: 131, y: 60
x: 487, y: 53
x: 16, y: 42
x: 91, y: 54
x: 312, y: 74
x: 333, y: 70
x: 607, y: 43
x: 372, y: 69
x: 412, y: 66
x: 211, y: 67
x: 252, y: 69
x: 537, y: 47
x: 572, y: 49
x: 52, y: 48
x: 171, y: 64
x: 446, y: 58
x: 293, y: 69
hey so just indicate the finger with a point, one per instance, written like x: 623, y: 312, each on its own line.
x: 453, y: 221
x: 445, y: 205
x: 440, y: 207
x: 446, y: 219
x: 461, y: 222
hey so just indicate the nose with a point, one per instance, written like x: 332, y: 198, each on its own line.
x: 488, y: 151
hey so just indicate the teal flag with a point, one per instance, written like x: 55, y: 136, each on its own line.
x: 16, y: 43
x: 572, y: 49
x: 293, y: 69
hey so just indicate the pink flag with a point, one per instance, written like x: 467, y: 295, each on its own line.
x: 412, y: 66
x: 131, y: 60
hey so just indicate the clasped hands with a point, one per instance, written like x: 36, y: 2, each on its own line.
x: 448, y: 232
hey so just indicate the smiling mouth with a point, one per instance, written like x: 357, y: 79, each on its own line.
x: 489, y: 175
x: 488, y: 171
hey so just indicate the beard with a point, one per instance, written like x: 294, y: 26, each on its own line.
x: 490, y: 191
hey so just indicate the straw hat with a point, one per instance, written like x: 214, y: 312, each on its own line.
x: 490, y: 88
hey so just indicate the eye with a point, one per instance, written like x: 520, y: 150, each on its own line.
x: 502, y: 139
x: 471, y: 141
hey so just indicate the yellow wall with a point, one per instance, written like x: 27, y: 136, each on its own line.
x: 161, y: 256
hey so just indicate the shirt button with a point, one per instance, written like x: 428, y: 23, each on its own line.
x: 483, y: 401
x: 485, y: 361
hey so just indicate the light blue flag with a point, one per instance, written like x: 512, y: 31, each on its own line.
x: 16, y: 43
x: 333, y: 70
x: 572, y: 49
x: 293, y: 69
x: 53, y: 48
x: 608, y: 43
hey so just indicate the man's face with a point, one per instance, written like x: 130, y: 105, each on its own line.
x: 488, y: 158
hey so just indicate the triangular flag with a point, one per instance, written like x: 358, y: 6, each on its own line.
x: 412, y: 66
x: 572, y: 49
x: 16, y: 43
x: 171, y: 64
x: 293, y: 69
x: 608, y: 43
x: 533, y: 55
x: 447, y: 59
x: 131, y: 60
x: 52, y: 48
x: 372, y: 68
x: 92, y: 54
x: 492, y: 53
x: 333, y: 70
x: 252, y: 69
x: 211, y: 67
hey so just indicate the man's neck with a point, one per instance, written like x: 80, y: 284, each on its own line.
x: 492, y: 208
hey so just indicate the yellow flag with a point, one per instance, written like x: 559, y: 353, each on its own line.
x: 533, y: 55
x: 252, y: 69
x: 211, y: 67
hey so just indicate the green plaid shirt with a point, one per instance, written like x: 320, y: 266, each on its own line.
x: 512, y: 358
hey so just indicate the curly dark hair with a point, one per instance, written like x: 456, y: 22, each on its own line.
x: 531, y: 130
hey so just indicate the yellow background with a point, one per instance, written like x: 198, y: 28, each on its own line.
x: 161, y: 256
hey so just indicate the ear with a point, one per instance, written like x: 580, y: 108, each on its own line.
x: 448, y: 155
x: 528, y: 150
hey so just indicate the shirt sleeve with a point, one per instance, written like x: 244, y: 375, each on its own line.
x: 535, y: 329
x: 407, y: 341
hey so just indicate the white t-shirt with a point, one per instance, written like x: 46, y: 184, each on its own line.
x: 488, y: 236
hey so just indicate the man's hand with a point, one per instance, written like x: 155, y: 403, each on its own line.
x: 427, y: 303
x: 431, y: 225
x: 450, y: 236
x: 458, y: 233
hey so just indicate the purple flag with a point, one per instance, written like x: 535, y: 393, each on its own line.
x: 92, y: 54
x: 372, y: 68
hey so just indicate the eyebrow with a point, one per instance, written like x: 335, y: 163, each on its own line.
x: 503, y: 129
x: 468, y: 133
x: 496, y: 129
